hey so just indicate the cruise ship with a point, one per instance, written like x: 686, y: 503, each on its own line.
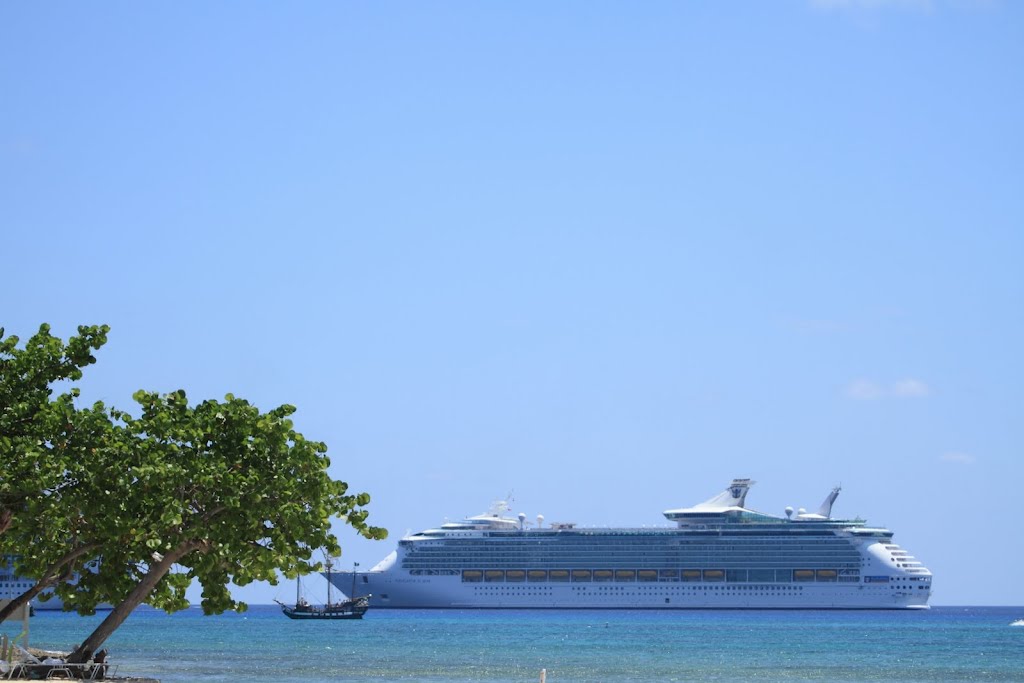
x: 12, y: 585
x: 720, y: 554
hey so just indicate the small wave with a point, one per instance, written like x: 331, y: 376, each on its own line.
x: 1019, y: 622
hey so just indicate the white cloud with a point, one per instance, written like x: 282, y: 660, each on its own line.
x: 864, y: 390
x: 910, y: 388
x: 959, y: 458
x: 870, y: 390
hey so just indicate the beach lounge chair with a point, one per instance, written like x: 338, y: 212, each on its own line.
x: 23, y: 663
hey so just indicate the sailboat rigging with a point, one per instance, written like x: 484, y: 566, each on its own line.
x: 351, y: 608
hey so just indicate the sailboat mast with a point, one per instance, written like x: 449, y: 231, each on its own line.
x: 329, y: 563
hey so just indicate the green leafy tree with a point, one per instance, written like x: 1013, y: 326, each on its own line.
x: 220, y: 492
x: 61, y: 509
x: 85, y: 526
x: 32, y: 420
x: 64, y: 527
x: 41, y: 436
x: 139, y: 508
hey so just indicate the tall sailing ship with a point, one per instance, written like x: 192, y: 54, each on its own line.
x: 350, y: 608
x: 720, y: 554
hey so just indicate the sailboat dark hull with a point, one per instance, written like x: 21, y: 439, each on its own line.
x: 350, y: 609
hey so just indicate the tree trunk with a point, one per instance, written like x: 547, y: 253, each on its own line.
x: 138, y: 595
x: 54, y: 573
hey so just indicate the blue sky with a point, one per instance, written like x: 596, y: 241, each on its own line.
x: 605, y: 255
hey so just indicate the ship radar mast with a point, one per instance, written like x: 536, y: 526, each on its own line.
x: 826, y: 506
x: 824, y: 511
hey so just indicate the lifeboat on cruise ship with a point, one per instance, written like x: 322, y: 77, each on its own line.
x: 803, y: 575
x: 647, y: 575
x: 603, y: 575
x: 472, y: 575
x: 558, y: 575
x: 494, y: 575
x: 515, y: 575
x: 581, y: 575
x: 826, y: 575
x: 625, y: 575
x: 691, y: 575
x: 536, y: 575
x: 714, y: 575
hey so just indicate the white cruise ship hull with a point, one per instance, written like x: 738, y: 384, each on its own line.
x: 392, y: 590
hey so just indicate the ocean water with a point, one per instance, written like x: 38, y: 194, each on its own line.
x: 491, y: 646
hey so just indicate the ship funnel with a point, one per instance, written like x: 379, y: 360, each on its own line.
x: 734, y: 496
x: 738, y: 488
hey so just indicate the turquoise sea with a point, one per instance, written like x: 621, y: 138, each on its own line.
x: 490, y: 646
